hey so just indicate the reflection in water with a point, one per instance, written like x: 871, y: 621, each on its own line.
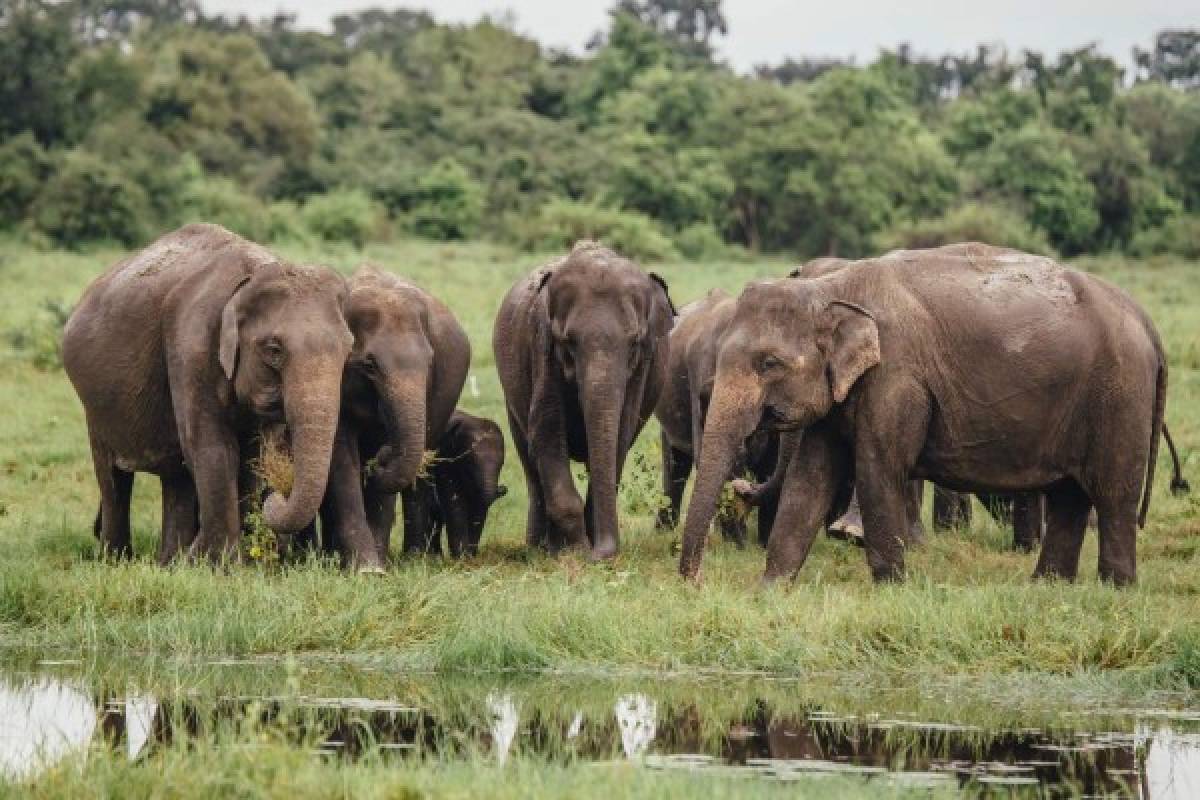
x: 636, y: 720
x: 1172, y: 763
x: 43, y: 720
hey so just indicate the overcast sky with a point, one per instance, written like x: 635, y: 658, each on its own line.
x: 767, y: 31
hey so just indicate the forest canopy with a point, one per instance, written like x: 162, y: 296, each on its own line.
x: 124, y: 118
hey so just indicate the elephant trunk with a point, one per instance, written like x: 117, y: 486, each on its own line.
x: 404, y: 406
x: 733, y: 415
x: 601, y: 405
x: 311, y: 406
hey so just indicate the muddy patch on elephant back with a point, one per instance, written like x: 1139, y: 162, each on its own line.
x: 1022, y: 274
x: 753, y: 727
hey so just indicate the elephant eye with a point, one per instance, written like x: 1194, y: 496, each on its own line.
x: 769, y: 362
x: 272, y: 352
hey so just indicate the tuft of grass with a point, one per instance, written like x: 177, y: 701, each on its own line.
x: 274, y: 463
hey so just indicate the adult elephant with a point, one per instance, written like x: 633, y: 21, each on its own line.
x: 877, y: 363
x: 181, y: 354
x: 581, y: 347
x: 402, y: 381
x: 681, y: 409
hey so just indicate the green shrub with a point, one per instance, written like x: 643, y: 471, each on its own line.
x: 89, y: 200
x: 220, y: 200
x: 40, y: 341
x: 700, y: 242
x: 1178, y: 236
x: 285, y: 222
x: 974, y: 222
x: 24, y: 166
x: 346, y: 215
x: 447, y: 204
x: 561, y: 223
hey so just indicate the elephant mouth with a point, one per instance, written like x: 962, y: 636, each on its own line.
x: 776, y: 421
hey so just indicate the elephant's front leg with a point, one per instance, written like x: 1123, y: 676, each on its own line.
x: 419, y: 533
x: 883, y: 498
x: 564, y: 507
x: 345, y: 513
x: 215, y: 460
x: 807, y: 492
x: 454, y: 504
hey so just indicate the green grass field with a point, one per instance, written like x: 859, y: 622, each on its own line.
x: 967, y: 612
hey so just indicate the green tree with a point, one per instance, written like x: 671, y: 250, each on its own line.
x: 36, y: 94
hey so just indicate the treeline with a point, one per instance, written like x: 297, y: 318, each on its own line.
x: 123, y: 118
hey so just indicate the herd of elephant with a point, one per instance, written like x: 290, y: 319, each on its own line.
x: 845, y: 384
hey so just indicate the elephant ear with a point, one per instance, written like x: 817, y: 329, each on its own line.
x: 654, y: 276
x: 854, y: 346
x: 227, y: 350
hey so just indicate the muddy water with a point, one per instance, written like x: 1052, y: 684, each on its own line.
x: 758, y: 728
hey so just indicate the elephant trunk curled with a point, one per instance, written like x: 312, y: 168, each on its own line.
x: 311, y: 406
x: 403, y: 400
x: 733, y: 414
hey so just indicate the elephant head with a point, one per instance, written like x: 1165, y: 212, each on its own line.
x: 791, y: 353
x: 393, y: 360
x: 606, y: 324
x: 283, y: 343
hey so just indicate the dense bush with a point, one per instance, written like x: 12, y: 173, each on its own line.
x: 24, y: 165
x: 474, y: 130
x: 88, y: 199
x: 1179, y: 236
x: 220, y: 200
x: 973, y: 222
x: 447, y: 204
x: 347, y: 215
x: 700, y: 242
x: 561, y: 223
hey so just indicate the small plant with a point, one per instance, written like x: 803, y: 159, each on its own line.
x: 40, y: 342
x: 275, y: 467
x: 640, y: 491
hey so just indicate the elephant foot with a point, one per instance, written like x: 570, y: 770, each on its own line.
x: 665, y: 522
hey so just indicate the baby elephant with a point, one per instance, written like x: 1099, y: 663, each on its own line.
x: 466, y: 474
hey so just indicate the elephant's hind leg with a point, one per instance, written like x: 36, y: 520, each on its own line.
x: 179, y: 517
x: 535, y: 519
x: 677, y: 466
x: 1067, y: 507
x: 950, y: 509
x: 116, y: 487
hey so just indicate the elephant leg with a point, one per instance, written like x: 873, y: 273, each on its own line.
x: 1067, y: 507
x: 116, y: 488
x: 564, y: 507
x: 381, y: 518
x: 732, y: 526
x: 419, y: 536
x: 950, y: 509
x: 883, y: 500
x: 535, y: 517
x: 915, y: 495
x: 1027, y: 518
x: 178, y: 517
x: 452, y: 501
x: 1116, y: 505
x: 809, y: 489
x: 677, y: 466
x: 214, y: 455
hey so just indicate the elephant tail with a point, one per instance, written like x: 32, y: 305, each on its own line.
x: 1156, y: 429
x: 1179, y: 484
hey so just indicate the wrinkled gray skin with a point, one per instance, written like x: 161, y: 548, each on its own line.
x: 877, y: 364
x: 466, y: 477
x: 581, y: 348
x: 402, y: 381
x: 180, y: 355
x: 683, y: 405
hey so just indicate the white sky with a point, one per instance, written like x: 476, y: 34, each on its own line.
x: 767, y: 31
